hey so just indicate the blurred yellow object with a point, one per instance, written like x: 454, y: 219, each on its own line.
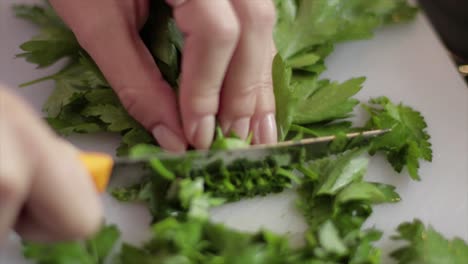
x: 463, y: 69
x: 99, y: 166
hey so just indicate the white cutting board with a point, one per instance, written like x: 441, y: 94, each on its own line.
x: 405, y: 62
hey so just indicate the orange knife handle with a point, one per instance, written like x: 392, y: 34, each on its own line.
x: 99, y: 166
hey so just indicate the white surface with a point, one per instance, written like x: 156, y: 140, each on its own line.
x: 405, y: 62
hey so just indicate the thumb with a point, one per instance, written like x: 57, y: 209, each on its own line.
x: 48, y: 190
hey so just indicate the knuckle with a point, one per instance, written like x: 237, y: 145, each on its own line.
x: 85, y: 30
x: 222, y: 32
x: 11, y: 103
x: 131, y: 101
x: 128, y: 98
x: 15, y: 168
x: 88, y: 33
x: 240, y: 104
x: 258, y: 16
x: 88, y: 226
x: 12, y: 188
x: 147, y: 106
x: 260, y: 87
x: 240, y: 109
x: 204, y: 104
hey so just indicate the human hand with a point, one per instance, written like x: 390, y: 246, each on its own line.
x: 45, y: 194
x: 226, y: 68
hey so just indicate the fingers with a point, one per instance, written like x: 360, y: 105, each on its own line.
x: 141, y: 87
x: 212, y: 31
x: 64, y: 190
x: 249, y: 74
x: 14, y: 176
x: 113, y: 42
x: 228, y: 46
x: 225, y: 64
x: 263, y: 122
x: 43, y: 177
x: 31, y: 230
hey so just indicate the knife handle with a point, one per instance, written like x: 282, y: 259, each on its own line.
x: 99, y: 166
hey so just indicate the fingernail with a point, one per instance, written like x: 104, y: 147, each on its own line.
x: 202, y: 132
x: 241, y: 127
x: 168, y: 139
x: 265, y: 130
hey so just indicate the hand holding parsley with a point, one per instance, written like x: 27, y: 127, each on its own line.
x: 226, y: 69
x: 45, y: 194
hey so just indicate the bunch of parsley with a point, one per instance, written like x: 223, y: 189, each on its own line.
x: 334, y: 198
x: 333, y: 195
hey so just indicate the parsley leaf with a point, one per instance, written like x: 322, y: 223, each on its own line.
x: 48, y: 47
x: 338, y: 173
x: 54, y: 42
x: 40, y: 15
x: 425, y: 245
x: 302, y: 100
x: 401, y: 13
x: 164, y: 40
x: 329, y: 102
x: 407, y: 142
x: 115, y: 117
x: 196, y: 241
x: 303, y: 24
x: 222, y: 142
x: 134, y: 137
x: 322, y: 129
x: 92, y: 251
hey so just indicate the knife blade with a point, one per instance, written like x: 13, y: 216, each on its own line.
x: 101, y: 166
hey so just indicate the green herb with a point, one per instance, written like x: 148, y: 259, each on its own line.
x: 304, y: 25
x: 302, y: 100
x: 222, y: 142
x: 191, y: 238
x: 53, y: 42
x: 92, y: 251
x: 202, y: 242
x: 408, y: 141
x: 425, y: 245
x: 321, y: 129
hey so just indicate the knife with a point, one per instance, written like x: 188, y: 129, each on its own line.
x: 102, y: 166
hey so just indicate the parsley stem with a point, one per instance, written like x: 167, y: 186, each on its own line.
x: 37, y: 80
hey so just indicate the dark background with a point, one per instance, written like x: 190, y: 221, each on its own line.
x: 450, y: 19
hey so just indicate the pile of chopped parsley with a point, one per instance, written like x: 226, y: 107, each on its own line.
x: 333, y: 194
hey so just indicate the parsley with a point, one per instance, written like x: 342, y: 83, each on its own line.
x: 337, y: 238
x: 408, y: 141
x: 92, y: 251
x: 53, y: 42
x: 425, y: 245
x: 303, y: 25
x: 321, y: 129
x: 203, y: 242
x: 222, y: 142
x: 333, y: 237
x: 302, y: 100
